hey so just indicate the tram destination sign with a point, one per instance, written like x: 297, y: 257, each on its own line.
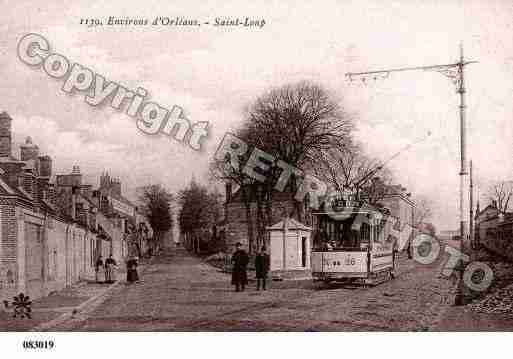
x: 344, y: 200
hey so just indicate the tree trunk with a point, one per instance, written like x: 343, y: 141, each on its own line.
x: 298, y: 206
x: 247, y: 204
x: 261, y: 218
x: 269, y: 210
x: 269, y: 205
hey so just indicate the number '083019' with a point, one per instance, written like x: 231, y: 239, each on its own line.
x: 38, y: 344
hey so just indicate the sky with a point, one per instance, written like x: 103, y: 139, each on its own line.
x: 214, y: 73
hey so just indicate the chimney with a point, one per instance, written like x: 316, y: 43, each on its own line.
x: 45, y: 166
x: 96, y: 198
x: 116, y: 187
x: 5, y: 134
x: 51, y: 193
x: 29, y: 182
x: 43, y: 189
x: 86, y: 190
x: 29, y: 151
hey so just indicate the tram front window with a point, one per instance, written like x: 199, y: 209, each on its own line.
x: 342, y: 235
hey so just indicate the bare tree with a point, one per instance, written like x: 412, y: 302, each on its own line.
x: 350, y: 168
x: 296, y: 124
x: 500, y: 194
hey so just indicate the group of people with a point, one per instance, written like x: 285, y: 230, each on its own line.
x: 240, y: 261
x: 109, y: 266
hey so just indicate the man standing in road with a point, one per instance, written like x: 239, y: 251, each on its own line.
x: 262, y: 264
x: 240, y: 261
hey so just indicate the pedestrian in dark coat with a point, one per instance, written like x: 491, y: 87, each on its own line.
x: 262, y: 265
x: 131, y: 270
x: 240, y: 261
x: 97, y: 266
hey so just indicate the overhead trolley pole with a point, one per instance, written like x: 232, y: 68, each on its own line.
x: 455, y: 72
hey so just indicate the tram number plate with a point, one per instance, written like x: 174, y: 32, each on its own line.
x: 347, y: 260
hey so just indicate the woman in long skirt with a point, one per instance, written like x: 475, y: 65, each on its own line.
x: 131, y: 273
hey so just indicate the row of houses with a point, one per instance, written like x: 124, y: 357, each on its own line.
x: 54, y: 227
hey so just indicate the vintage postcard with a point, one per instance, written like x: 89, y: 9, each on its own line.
x: 259, y: 166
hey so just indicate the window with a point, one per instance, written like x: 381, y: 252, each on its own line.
x: 365, y: 232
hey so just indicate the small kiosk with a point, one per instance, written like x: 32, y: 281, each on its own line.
x: 289, y: 245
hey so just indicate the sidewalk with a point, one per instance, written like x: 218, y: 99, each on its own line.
x: 63, y: 305
x: 54, y: 307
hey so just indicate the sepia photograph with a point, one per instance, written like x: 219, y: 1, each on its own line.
x: 232, y: 169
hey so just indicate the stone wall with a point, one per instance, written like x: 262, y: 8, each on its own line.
x: 39, y: 255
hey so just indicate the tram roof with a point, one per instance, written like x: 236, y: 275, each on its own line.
x: 343, y: 212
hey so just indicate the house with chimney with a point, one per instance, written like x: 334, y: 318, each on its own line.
x: 494, y: 230
x: 52, y: 228
x: 122, y: 213
x: 234, y: 226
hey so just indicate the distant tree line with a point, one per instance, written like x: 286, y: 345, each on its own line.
x: 156, y: 204
x: 199, y: 214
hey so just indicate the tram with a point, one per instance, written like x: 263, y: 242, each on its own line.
x: 352, y: 243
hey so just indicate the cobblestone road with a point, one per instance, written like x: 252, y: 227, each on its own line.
x: 181, y: 293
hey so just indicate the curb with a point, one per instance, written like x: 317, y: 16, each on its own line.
x: 80, y: 308
x: 85, y: 307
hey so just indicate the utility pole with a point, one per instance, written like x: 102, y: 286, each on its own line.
x: 455, y: 72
